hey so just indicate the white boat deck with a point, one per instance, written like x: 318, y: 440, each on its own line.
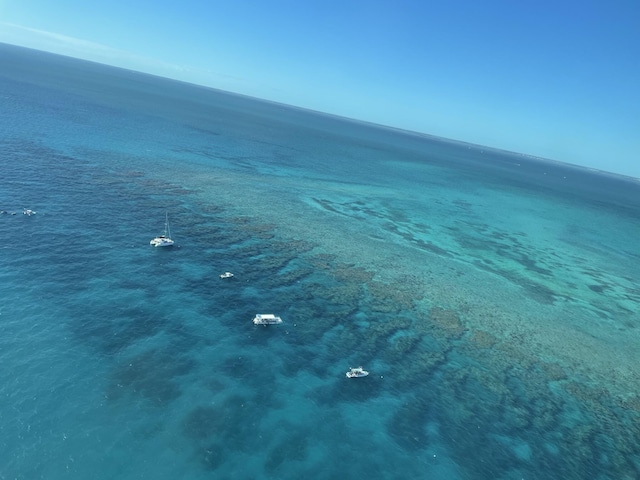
x: 266, y: 319
x: 357, y: 373
x: 161, y: 241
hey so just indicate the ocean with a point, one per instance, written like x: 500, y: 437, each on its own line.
x: 492, y: 296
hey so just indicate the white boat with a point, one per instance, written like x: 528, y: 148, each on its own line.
x: 226, y: 275
x: 266, y: 319
x: 163, y: 240
x: 356, y: 373
x: 29, y: 212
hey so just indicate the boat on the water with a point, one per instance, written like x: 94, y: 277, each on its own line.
x: 266, y: 319
x: 163, y: 240
x: 356, y: 372
x: 226, y: 275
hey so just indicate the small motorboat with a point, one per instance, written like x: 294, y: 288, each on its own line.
x: 356, y: 373
x: 29, y: 212
x: 226, y: 275
x: 266, y: 319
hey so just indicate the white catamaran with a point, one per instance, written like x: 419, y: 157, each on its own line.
x: 163, y: 240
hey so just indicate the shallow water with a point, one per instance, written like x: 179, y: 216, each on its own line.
x: 493, y: 297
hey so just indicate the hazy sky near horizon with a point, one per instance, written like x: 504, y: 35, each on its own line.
x: 556, y: 79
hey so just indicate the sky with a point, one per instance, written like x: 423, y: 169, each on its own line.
x: 556, y: 79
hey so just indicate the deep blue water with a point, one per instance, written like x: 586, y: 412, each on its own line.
x: 493, y: 297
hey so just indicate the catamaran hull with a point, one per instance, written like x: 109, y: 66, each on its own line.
x: 161, y: 242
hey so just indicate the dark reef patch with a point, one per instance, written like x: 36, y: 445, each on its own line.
x: 151, y: 375
x: 213, y: 456
x: 408, y: 423
x: 292, y: 448
x: 203, y: 422
x: 598, y: 288
x: 234, y: 422
x: 114, y: 331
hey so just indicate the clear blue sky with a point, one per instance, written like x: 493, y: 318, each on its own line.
x: 557, y: 79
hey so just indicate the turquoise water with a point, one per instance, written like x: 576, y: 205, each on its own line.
x: 493, y: 297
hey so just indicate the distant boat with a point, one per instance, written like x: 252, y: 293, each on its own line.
x: 226, y: 275
x: 356, y: 373
x: 266, y: 319
x: 163, y: 240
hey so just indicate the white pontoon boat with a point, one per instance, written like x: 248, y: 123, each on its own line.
x: 266, y: 319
